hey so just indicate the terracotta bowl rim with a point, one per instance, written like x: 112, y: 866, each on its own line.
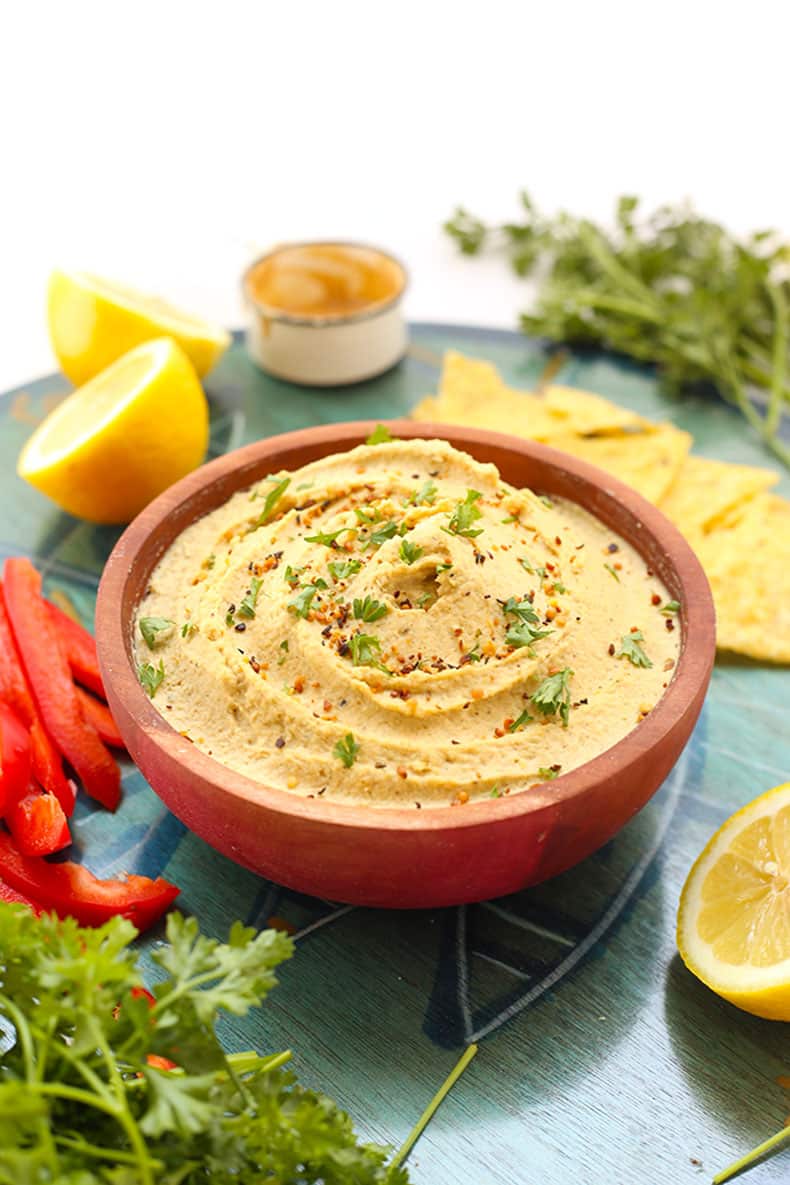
x: 697, y: 618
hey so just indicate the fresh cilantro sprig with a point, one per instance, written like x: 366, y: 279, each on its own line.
x: 630, y: 649
x: 247, y: 606
x: 150, y: 676
x: 366, y: 652
x: 302, y: 603
x: 410, y: 552
x: 271, y: 500
x: 152, y: 627
x: 425, y: 495
x: 85, y: 1097
x: 343, y: 569
x: 380, y: 435
x: 382, y: 535
x: 369, y: 609
x: 464, y: 515
x: 346, y: 750
x: 553, y: 695
x: 326, y: 538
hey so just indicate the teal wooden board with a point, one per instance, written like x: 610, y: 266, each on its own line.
x: 602, y: 1061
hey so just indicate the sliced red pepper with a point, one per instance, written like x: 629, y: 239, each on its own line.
x: 11, y: 895
x: 14, y: 759
x: 72, y: 891
x: 99, y: 715
x: 15, y: 691
x: 50, y: 679
x: 38, y: 825
x: 79, y: 647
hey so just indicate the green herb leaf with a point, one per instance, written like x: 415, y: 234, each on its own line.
x: 553, y: 695
x: 303, y: 601
x: 271, y: 500
x: 527, y: 566
x: 446, y: 567
x: 188, y: 629
x: 369, y: 609
x: 524, y: 634
x: 379, y: 435
x: 464, y: 515
x: 382, y: 534
x: 630, y: 649
x: 152, y: 627
x: 325, y: 538
x: 367, y: 515
x: 409, y: 552
x: 247, y: 606
x: 523, y: 610
x: 670, y: 608
x: 520, y: 721
x: 151, y: 676
x: 547, y: 773
x: 425, y: 495
x: 559, y: 587
x: 612, y: 572
x: 366, y: 652
x: 495, y: 792
x: 284, y: 649
x: 473, y: 655
x: 343, y: 569
x: 346, y: 750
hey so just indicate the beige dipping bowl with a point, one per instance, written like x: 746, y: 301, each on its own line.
x: 326, y: 313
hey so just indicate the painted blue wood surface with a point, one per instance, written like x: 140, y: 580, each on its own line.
x: 602, y: 1062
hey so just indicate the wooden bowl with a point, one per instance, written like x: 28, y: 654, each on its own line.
x: 394, y: 857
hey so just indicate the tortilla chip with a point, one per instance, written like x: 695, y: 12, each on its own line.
x: 585, y: 414
x: 705, y: 491
x: 747, y: 561
x: 646, y: 461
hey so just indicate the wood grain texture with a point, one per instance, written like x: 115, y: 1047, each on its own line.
x: 602, y: 1061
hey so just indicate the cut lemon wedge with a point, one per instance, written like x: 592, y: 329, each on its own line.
x: 121, y: 439
x: 734, y: 917
x: 92, y: 322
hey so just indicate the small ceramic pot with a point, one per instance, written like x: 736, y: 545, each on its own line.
x: 326, y: 350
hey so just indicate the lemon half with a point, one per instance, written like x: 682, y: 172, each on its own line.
x: 124, y: 437
x: 92, y: 322
x: 734, y: 919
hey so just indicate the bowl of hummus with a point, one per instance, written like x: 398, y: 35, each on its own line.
x: 404, y: 665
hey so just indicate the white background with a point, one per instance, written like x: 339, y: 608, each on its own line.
x: 164, y: 143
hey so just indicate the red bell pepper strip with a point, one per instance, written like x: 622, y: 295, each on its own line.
x: 14, y: 759
x: 72, y: 891
x: 15, y: 691
x: 11, y: 895
x: 80, y: 649
x: 38, y: 825
x: 99, y: 715
x: 50, y: 679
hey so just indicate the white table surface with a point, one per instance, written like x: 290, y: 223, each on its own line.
x: 163, y: 144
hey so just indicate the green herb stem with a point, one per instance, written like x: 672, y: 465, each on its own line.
x: 750, y: 1160
x: 433, y: 1106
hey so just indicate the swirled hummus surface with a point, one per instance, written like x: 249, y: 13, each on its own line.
x: 397, y: 626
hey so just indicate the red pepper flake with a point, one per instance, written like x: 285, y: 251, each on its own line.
x: 670, y: 624
x: 611, y: 648
x: 327, y: 706
x: 298, y: 684
x: 655, y: 599
x: 402, y: 772
x: 499, y: 732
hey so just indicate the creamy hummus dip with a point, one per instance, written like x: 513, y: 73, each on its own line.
x: 396, y: 626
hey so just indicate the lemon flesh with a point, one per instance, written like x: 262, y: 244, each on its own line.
x: 734, y: 918
x: 122, y: 438
x: 92, y: 322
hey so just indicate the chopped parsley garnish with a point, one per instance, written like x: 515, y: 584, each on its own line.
x: 511, y: 518
x: 527, y: 566
x: 209, y: 562
x: 425, y: 495
x: 325, y: 538
x: 366, y: 652
x: 495, y: 792
x: 369, y: 609
x: 303, y: 601
x: 382, y: 534
x: 342, y: 569
x: 284, y: 648
x: 443, y: 568
x: 670, y: 608
x: 524, y: 634
x: 523, y: 610
x: 291, y: 575
x: 473, y: 655
x: 152, y: 627
x: 409, y: 552
x: 247, y: 606
x: 547, y: 773
x: 612, y: 572
x: 306, y: 485
x: 229, y: 614
x: 553, y: 695
x: 380, y: 435
x: 546, y: 501
x: 188, y: 629
x: 464, y: 515
x: 559, y: 587
x: 346, y: 750
x: 520, y: 721
x: 271, y: 500
x: 367, y: 514
x: 151, y: 676
x: 630, y: 649
x: 424, y: 598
